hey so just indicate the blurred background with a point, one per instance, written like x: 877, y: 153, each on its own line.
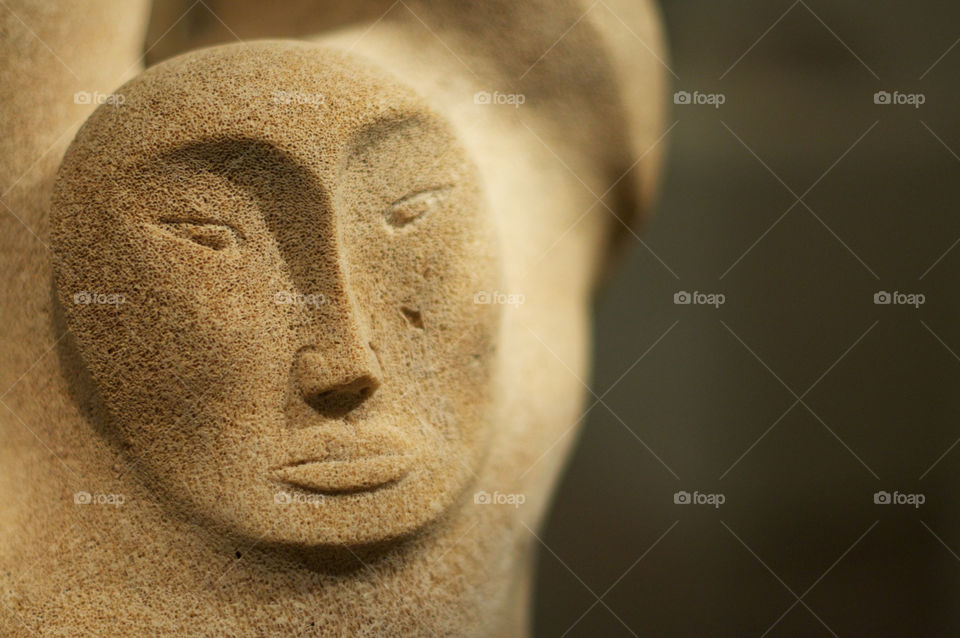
x: 798, y: 399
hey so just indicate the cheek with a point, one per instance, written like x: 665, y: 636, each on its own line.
x: 419, y: 287
x: 197, y: 331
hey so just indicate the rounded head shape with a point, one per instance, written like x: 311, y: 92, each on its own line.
x: 269, y: 256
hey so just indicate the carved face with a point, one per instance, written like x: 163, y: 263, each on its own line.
x: 293, y: 245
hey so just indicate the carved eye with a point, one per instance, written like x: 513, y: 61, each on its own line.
x: 413, y: 206
x: 211, y: 235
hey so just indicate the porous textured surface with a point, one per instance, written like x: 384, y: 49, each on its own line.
x: 297, y: 336
x: 309, y: 267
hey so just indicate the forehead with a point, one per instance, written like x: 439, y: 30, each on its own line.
x: 310, y: 103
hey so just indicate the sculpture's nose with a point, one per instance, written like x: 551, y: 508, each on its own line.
x: 336, y: 385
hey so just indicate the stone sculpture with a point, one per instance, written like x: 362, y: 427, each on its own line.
x: 304, y: 356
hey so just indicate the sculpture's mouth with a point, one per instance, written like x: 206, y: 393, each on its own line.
x: 345, y: 476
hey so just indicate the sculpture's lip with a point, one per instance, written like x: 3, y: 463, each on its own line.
x: 344, y: 476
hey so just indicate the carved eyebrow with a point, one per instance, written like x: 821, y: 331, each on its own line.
x: 376, y: 131
x: 233, y: 158
x: 280, y: 185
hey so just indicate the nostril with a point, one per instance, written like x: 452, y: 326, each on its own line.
x: 413, y: 316
x: 335, y: 381
x: 338, y: 401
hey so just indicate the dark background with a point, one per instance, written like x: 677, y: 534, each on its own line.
x: 799, y: 512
